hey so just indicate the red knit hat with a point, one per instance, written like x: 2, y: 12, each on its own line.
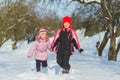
x: 67, y: 19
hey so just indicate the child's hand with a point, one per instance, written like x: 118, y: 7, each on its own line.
x: 51, y: 49
x: 81, y: 50
x: 29, y: 56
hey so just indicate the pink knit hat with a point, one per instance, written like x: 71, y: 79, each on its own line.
x: 38, y: 38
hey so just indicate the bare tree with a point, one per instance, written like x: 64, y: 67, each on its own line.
x: 111, y: 13
x: 17, y: 20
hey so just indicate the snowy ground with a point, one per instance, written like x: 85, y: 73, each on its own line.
x: 14, y: 65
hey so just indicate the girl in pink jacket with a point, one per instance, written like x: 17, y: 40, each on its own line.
x: 39, y: 49
x: 64, y: 40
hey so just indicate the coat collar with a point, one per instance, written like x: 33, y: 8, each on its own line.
x: 66, y: 29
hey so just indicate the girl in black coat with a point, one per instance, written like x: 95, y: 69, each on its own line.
x: 64, y: 40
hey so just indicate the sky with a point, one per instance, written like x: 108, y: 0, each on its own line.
x: 59, y: 8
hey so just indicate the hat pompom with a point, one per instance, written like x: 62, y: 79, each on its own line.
x: 42, y: 30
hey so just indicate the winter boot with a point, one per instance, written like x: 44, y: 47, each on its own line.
x: 65, y: 71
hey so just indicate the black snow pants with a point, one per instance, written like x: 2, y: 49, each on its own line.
x: 40, y: 63
x: 63, y: 61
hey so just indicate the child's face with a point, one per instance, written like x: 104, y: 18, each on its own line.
x: 66, y: 25
x: 43, y: 35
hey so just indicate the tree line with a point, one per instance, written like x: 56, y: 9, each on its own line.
x: 19, y: 21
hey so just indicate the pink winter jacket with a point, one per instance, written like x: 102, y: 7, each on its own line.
x: 39, y: 49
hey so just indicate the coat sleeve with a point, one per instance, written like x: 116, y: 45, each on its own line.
x: 49, y: 45
x: 55, y: 39
x: 32, y: 49
x: 76, y: 42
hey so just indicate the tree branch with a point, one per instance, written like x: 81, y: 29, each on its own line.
x: 108, y: 11
x: 86, y: 2
x: 118, y: 48
x: 3, y: 41
x: 68, y: 3
x: 117, y: 30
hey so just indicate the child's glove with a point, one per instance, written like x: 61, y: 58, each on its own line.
x: 51, y: 49
x: 81, y: 50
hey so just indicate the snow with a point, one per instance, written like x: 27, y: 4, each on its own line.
x: 14, y: 65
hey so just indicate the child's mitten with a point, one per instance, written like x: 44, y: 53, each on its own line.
x: 81, y: 50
